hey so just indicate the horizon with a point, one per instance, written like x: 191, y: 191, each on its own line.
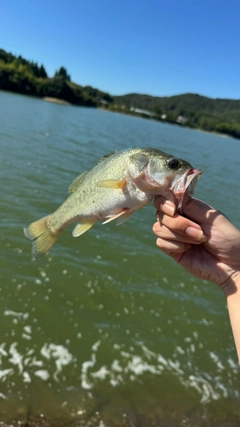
x: 151, y: 48
x: 125, y: 94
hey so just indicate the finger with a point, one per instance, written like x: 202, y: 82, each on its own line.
x: 182, y: 226
x: 168, y: 234
x: 192, y: 208
x: 177, y: 223
x: 197, y: 210
x: 172, y: 248
x: 165, y: 206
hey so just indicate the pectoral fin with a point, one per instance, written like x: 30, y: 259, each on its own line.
x: 112, y: 183
x: 81, y: 228
x: 112, y: 217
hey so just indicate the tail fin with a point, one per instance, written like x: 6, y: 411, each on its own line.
x: 42, y: 237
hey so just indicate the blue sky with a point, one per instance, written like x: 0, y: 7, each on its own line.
x: 155, y: 47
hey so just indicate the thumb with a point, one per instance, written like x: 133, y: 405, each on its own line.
x: 195, y: 209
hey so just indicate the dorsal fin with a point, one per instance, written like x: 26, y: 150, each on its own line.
x: 106, y: 157
x: 77, y: 181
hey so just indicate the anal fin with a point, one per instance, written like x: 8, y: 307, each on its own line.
x: 82, y: 227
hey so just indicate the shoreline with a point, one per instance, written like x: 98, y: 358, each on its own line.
x: 224, y: 135
x: 56, y: 100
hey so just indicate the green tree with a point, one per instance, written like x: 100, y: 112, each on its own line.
x: 62, y: 72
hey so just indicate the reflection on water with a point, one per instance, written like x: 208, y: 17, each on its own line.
x: 105, y: 330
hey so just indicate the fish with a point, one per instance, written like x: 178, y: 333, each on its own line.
x: 120, y: 183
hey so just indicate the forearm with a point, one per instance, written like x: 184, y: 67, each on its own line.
x: 232, y: 293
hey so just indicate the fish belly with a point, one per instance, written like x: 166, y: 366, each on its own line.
x: 98, y: 205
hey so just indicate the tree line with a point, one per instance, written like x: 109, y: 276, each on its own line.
x: 199, y: 112
x: 192, y: 110
x: 27, y: 77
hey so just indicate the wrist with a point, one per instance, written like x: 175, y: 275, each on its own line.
x: 232, y: 293
x: 232, y: 285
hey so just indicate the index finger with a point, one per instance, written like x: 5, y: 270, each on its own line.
x: 182, y: 226
x: 165, y: 206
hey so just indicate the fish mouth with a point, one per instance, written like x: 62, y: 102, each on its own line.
x: 185, y: 185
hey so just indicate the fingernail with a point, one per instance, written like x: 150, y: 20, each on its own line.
x: 196, y: 234
x: 168, y: 208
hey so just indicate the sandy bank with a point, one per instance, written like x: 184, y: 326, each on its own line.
x: 56, y: 100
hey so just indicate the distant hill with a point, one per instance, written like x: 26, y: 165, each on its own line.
x: 27, y: 77
x: 192, y: 110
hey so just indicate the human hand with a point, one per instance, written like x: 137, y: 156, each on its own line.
x: 203, y: 241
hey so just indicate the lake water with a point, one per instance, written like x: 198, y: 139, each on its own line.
x: 105, y: 330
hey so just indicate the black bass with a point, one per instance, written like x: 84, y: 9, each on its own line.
x: 116, y: 187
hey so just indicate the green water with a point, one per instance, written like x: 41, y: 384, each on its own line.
x: 105, y: 329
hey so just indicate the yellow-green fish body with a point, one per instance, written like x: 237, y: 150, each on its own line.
x: 117, y: 186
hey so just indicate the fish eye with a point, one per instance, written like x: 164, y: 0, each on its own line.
x: 174, y: 163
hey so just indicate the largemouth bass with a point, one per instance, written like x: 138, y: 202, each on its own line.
x: 116, y: 187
